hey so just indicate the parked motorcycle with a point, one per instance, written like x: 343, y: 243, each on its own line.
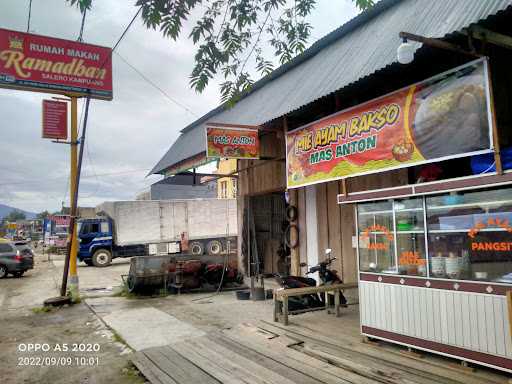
x: 312, y: 300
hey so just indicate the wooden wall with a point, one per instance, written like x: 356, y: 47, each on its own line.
x: 267, y: 175
x: 336, y: 223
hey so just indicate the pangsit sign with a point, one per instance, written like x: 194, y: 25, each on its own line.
x: 444, y: 117
x: 45, y: 64
x: 232, y: 142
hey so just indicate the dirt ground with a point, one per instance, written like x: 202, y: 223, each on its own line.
x: 24, y: 323
x: 112, y: 327
x: 94, y: 354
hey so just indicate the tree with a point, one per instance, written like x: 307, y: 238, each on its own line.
x: 232, y: 36
x: 15, y: 215
x: 42, y: 215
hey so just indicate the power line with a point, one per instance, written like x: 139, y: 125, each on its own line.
x: 127, y: 28
x: 149, y: 81
x: 29, y: 15
x: 80, y: 36
x: 84, y: 176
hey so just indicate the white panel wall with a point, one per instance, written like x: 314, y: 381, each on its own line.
x: 473, y: 321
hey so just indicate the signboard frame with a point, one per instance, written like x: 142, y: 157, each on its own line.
x: 490, y: 122
x: 8, y: 81
x: 233, y: 127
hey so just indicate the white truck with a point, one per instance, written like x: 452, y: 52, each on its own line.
x: 150, y: 227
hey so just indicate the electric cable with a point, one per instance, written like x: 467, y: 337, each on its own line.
x: 149, y: 81
x: 126, y: 29
x: 29, y: 15
x: 225, y: 264
x: 80, y: 36
x: 84, y: 176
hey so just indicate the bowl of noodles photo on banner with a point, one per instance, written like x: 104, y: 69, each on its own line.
x: 449, y: 116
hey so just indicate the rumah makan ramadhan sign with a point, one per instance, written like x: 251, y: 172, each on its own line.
x: 46, y: 64
x: 444, y: 117
x: 234, y: 143
x: 55, y: 120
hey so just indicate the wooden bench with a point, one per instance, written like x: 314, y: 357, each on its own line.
x: 281, y: 298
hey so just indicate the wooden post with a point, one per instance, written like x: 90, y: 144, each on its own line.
x: 294, y: 236
x: 293, y: 194
x: 337, y: 302
x: 344, y: 187
x: 275, y: 307
x: 495, y: 135
x: 285, y: 310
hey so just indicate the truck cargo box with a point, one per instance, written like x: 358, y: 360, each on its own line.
x: 152, y: 221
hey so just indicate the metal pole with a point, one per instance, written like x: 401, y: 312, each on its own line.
x: 74, y: 200
x: 73, y: 278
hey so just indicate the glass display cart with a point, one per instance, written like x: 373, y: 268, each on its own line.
x: 434, y: 271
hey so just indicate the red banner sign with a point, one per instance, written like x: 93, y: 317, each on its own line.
x: 444, y: 117
x: 46, y: 64
x: 232, y: 143
x: 61, y: 220
x: 55, y: 120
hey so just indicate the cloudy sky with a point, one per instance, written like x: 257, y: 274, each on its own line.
x: 125, y: 137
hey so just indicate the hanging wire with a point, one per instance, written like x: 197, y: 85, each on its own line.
x: 80, y: 36
x: 154, y: 85
x: 29, y: 15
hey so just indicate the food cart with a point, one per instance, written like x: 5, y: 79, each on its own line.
x: 434, y: 270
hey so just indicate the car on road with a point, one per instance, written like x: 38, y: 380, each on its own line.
x: 15, y: 259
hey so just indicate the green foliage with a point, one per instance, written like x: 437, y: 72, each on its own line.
x: 81, y: 4
x: 41, y: 309
x: 42, y: 215
x: 230, y: 35
x: 15, y: 215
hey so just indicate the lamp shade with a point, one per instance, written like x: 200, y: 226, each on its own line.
x: 405, y: 53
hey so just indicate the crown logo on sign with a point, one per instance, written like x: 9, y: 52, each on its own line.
x: 15, y: 42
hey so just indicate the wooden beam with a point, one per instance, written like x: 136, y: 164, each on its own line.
x: 226, y: 125
x: 281, y: 293
x: 436, y: 43
x: 484, y: 34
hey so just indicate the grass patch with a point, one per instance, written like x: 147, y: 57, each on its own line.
x: 118, y: 338
x: 41, y: 309
x: 131, y: 372
x: 123, y: 291
x: 149, y: 292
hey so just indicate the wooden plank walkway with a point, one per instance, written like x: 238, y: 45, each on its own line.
x: 267, y: 353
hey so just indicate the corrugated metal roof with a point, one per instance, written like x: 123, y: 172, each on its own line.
x: 359, y: 48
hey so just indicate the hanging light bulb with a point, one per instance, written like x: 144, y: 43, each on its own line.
x: 405, y: 52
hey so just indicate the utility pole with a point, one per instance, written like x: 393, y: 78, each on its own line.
x: 73, y: 275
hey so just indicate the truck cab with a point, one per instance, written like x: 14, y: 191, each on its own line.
x: 95, y: 239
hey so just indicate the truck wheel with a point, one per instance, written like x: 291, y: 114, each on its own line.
x: 3, y: 271
x: 196, y: 248
x: 214, y: 247
x: 102, y: 258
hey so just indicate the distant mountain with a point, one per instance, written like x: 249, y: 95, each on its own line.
x: 6, y: 209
